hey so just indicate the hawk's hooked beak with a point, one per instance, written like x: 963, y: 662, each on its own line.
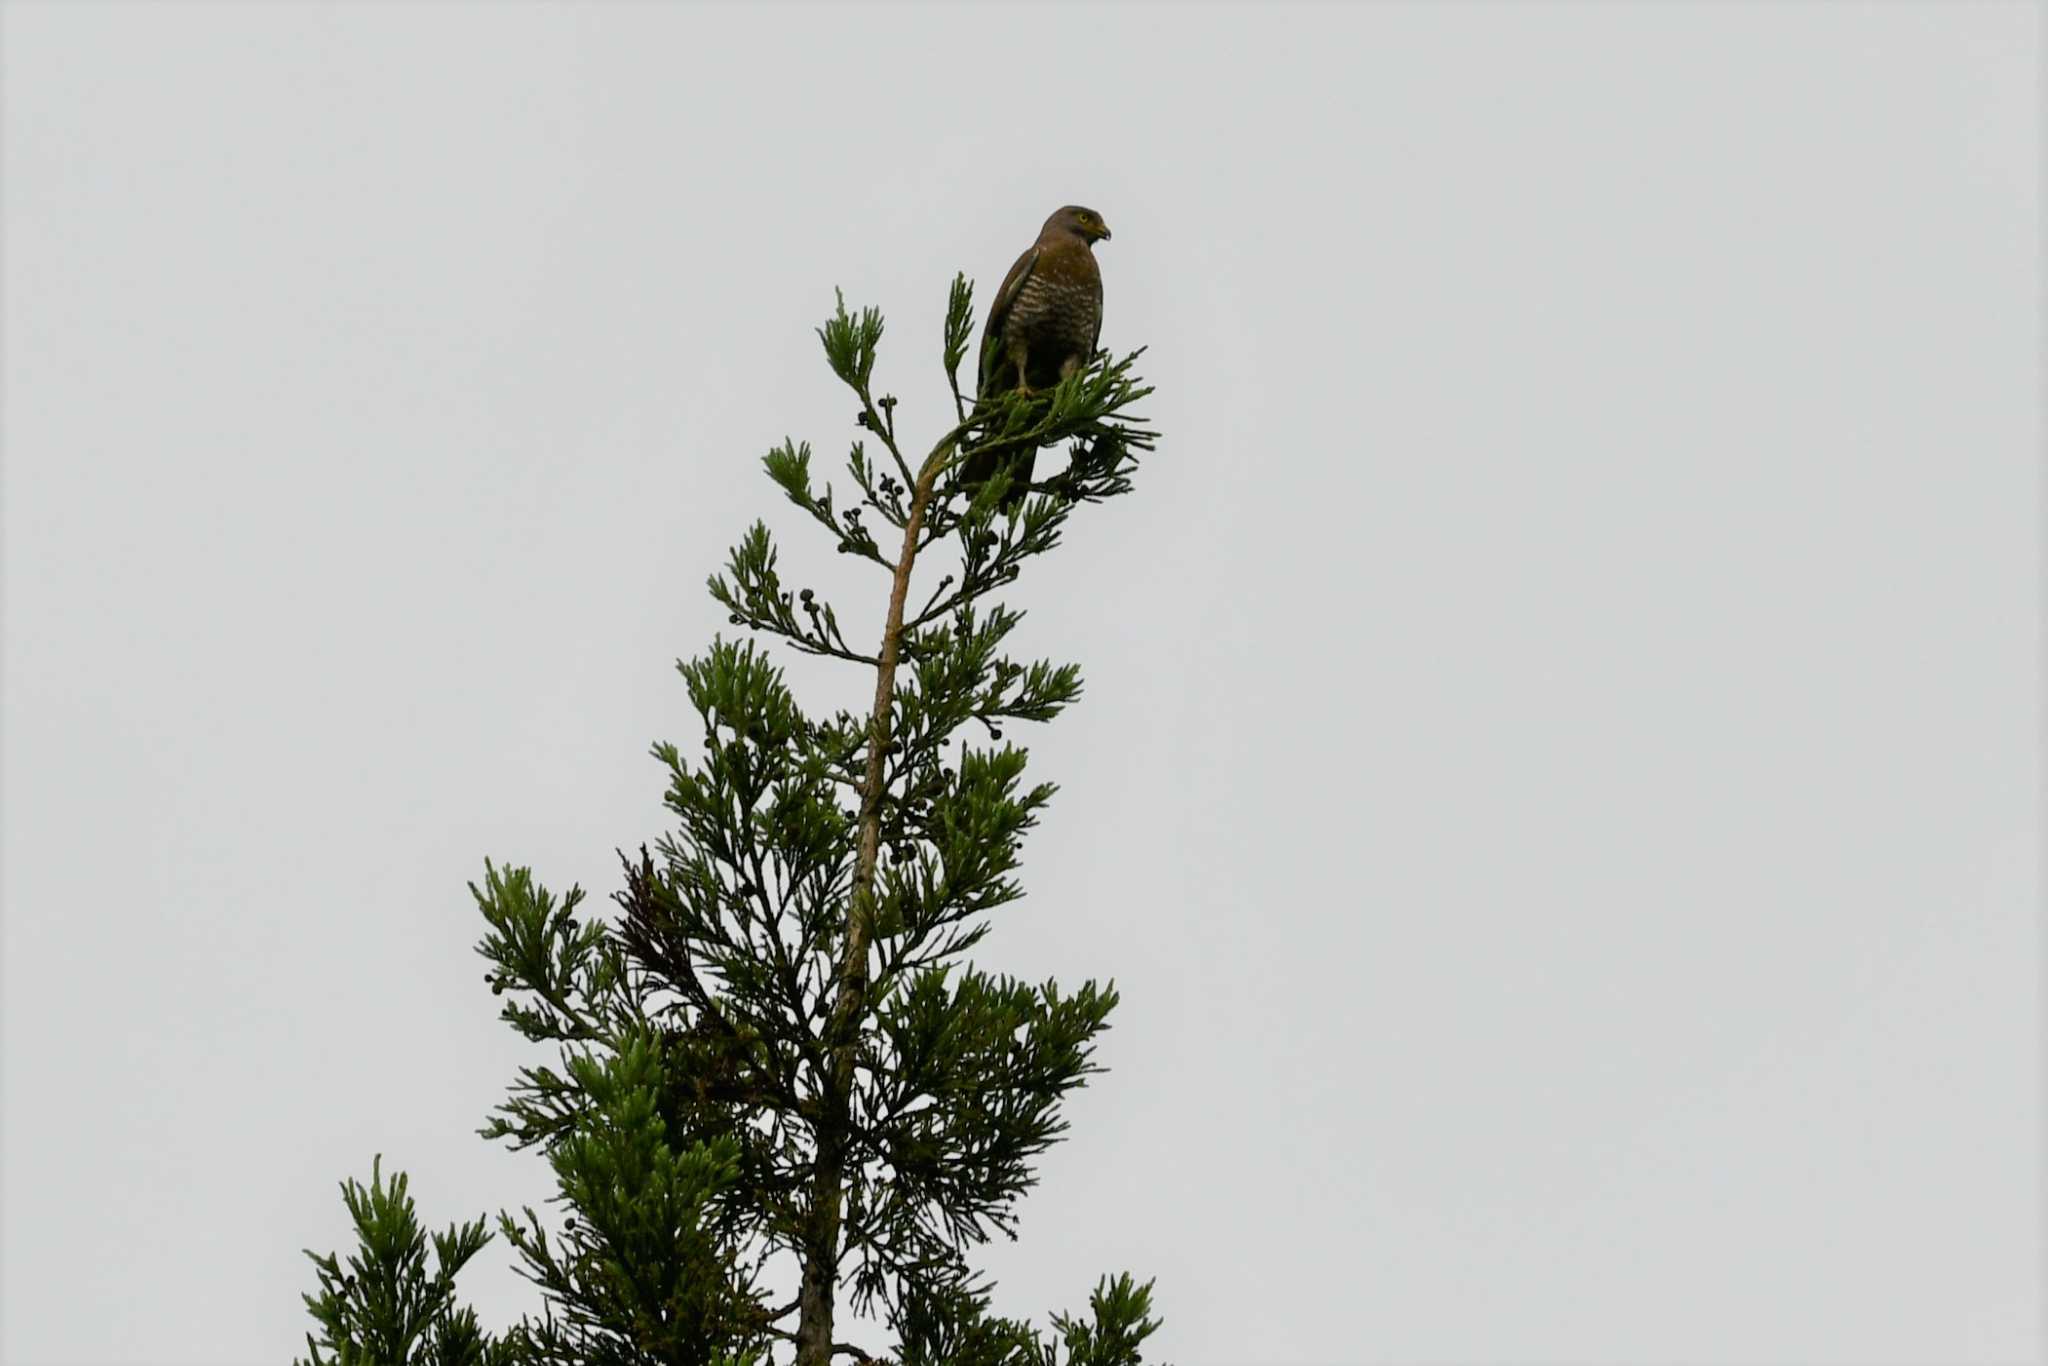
x: 1102, y: 233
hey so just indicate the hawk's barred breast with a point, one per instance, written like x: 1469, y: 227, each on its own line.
x: 1062, y: 315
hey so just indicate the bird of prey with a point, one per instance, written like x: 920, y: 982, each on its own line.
x: 1043, y: 325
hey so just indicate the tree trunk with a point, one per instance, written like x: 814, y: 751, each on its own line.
x: 817, y: 1296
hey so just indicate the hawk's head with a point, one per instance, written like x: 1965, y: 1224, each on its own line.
x: 1085, y: 224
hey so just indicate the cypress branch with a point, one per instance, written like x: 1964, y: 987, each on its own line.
x: 777, y: 1063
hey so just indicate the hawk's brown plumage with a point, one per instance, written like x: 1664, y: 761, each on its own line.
x: 1044, y: 322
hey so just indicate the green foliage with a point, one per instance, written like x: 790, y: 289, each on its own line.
x: 779, y: 1054
x: 950, y: 1326
x: 384, y: 1309
x: 640, y: 1273
x: 850, y: 343
x: 1120, y: 1318
x: 959, y: 323
x: 968, y: 1076
x: 566, y: 967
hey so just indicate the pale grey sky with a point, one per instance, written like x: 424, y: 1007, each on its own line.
x: 1558, y: 785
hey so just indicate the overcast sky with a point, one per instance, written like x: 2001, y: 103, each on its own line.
x: 1558, y: 782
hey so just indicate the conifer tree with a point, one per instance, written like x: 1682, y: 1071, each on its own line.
x: 777, y: 1062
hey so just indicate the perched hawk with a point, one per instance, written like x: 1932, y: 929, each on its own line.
x: 1044, y: 322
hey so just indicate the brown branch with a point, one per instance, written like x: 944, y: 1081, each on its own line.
x: 821, y: 1252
